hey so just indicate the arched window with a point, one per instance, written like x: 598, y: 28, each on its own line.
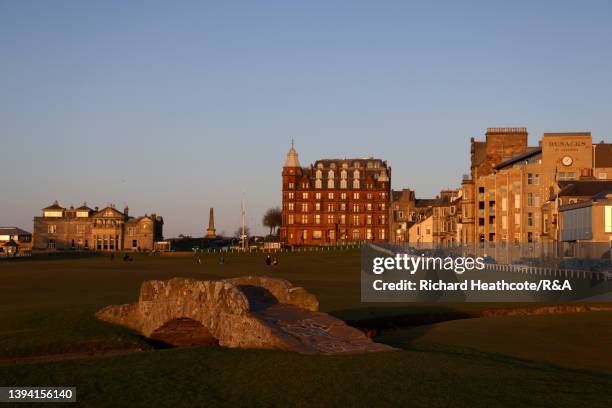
x: 343, y: 183
x: 330, y: 174
x: 330, y: 183
x: 343, y: 174
x: 318, y: 183
x: 356, y: 174
x: 356, y: 183
x: 319, y: 174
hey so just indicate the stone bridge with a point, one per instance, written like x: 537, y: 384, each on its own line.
x: 245, y: 312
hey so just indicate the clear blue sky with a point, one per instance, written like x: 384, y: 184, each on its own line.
x: 175, y: 107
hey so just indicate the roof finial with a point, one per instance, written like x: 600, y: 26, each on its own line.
x: 292, y: 143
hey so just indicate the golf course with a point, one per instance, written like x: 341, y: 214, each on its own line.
x: 448, y: 355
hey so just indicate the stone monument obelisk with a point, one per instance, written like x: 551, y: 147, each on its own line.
x: 210, y: 232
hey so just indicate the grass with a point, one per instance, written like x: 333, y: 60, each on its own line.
x: 573, y: 340
x: 47, y: 306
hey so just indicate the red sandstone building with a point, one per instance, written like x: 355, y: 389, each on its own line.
x: 335, y: 201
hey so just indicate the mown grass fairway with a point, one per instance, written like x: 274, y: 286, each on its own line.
x: 47, y: 306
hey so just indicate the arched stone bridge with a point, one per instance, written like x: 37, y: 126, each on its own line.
x: 245, y: 312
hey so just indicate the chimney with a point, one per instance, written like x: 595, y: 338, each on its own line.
x: 96, y: 208
x: 126, y: 211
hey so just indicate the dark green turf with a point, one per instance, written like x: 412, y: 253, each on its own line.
x: 47, y: 306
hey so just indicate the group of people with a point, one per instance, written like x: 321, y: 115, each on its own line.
x: 125, y: 258
x: 271, y: 261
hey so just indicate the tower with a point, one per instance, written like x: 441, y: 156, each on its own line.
x: 211, y: 232
x: 291, y: 173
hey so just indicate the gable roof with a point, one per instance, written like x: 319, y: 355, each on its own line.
x: 583, y: 188
x: 54, y: 206
x: 13, y: 231
x: 109, y: 208
x: 529, y: 153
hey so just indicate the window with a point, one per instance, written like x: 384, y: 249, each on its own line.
x: 304, y: 207
x: 355, y: 220
x: 343, y: 183
x: 536, y: 179
x: 530, y: 199
x: 304, y: 219
x: 343, y: 196
x: 290, y: 219
x: 369, y: 206
x: 318, y: 183
x: 608, y: 218
x: 80, y: 229
x: 382, y: 234
x: 317, y: 218
x: 330, y: 174
x: 330, y: 183
x: 504, y: 204
x: 291, y: 185
x: 342, y: 219
x: 52, y: 229
x: 536, y: 197
x: 517, y: 201
x: 355, y: 207
x: 304, y: 235
x: 342, y: 206
x: 530, y: 219
x: 355, y: 183
x: 530, y: 237
x: 330, y: 196
x: 504, y: 222
x: 330, y: 219
x: 369, y: 219
x: 517, y: 220
x: 356, y: 235
x: 291, y: 206
x: 331, y: 235
x: 304, y: 196
x: 330, y: 207
x: 132, y: 230
x: 529, y: 178
x: 319, y: 174
x: 51, y: 244
x: 291, y: 196
x: 317, y: 206
x: 317, y: 234
x: 355, y: 196
x: 368, y: 233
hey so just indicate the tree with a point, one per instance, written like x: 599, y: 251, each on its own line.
x: 272, y: 219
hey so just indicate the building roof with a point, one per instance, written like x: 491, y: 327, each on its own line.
x: 84, y: 207
x: 583, y: 188
x: 605, y: 196
x: 425, y: 202
x: 530, y: 153
x: 54, y: 206
x: 13, y: 231
x: 292, y: 158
